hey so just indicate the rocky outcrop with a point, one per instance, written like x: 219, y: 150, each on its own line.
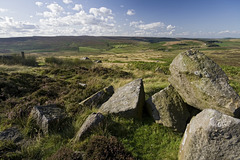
x: 11, y: 134
x: 211, y: 135
x: 127, y: 101
x: 202, y: 83
x: 98, y: 98
x: 92, y: 121
x: 48, y: 118
x: 168, y: 108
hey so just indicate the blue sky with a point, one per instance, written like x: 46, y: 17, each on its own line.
x: 158, y: 18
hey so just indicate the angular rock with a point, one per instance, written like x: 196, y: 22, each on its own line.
x: 211, y: 135
x: 48, y: 117
x: 168, y: 108
x: 92, y: 121
x: 127, y: 101
x: 98, y: 98
x: 11, y: 134
x: 202, y: 83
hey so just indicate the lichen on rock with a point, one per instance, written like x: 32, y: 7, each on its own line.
x: 211, y: 135
x: 167, y: 107
x: 127, y: 101
x: 203, y: 84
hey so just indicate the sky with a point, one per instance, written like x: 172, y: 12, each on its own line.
x: 147, y: 18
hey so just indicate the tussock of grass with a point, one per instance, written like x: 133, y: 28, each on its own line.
x: 18, y: 60
x: 146, y: 139
x: 68, y: 62
x: 233, y: 74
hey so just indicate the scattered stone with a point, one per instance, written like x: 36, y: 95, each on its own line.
x: 11, y: 134
x: 92, y: 121
x: 168, y: 108
x: 127, y: 101
x: 48, y: 117
x: 211, y: 135
x: 97, y: 99
x: 83, y: 85
x: 98, y: 61
x: 85, y: 58
x: 202, y: 83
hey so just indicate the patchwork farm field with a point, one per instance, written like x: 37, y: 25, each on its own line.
x: 53, y: 69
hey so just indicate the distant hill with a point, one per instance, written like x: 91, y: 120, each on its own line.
x: 67, y: 43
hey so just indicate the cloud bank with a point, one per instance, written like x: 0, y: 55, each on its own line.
x: 74, y: 19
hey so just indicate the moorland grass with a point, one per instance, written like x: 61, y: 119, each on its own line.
x: 57, y: 81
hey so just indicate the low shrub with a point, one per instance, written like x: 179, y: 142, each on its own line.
x: 65, y: 154
x: 68, y: 62
x: 54, y: 60
x: 108, y: 72
x: 7, y: 148
x: 18, y: 60
x: 103, y: 148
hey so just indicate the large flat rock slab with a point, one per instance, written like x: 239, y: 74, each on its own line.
x: 211, y: 135
x: 168, y: 108
x: 48, y: 118
x: 97, y: 99
x: 127, y: 101
x: 203, y: 84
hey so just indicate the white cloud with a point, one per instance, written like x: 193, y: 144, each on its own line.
x: 131, y: 12
x: 140, y: 28
x: 122, y: 6
x: 135, y: 23
x: 55, y: 10
x: 3, y: 10
x: 55, y: 20
x: 67, y: 1
x: 54, y: 7
x: 100, y: 12
x: 170, y: 27
x: 151, y: 25
x: 78, y: 7
x: 39, y: 4
x: 98, y: 21
x: 10, y: 27
x: 224, y: 32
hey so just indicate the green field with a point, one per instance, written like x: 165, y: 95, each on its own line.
x: 53, y: 68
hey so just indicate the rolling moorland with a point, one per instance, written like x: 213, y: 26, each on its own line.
x: 51, y: 73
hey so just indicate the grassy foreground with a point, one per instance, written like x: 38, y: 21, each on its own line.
x: 53, y: 78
